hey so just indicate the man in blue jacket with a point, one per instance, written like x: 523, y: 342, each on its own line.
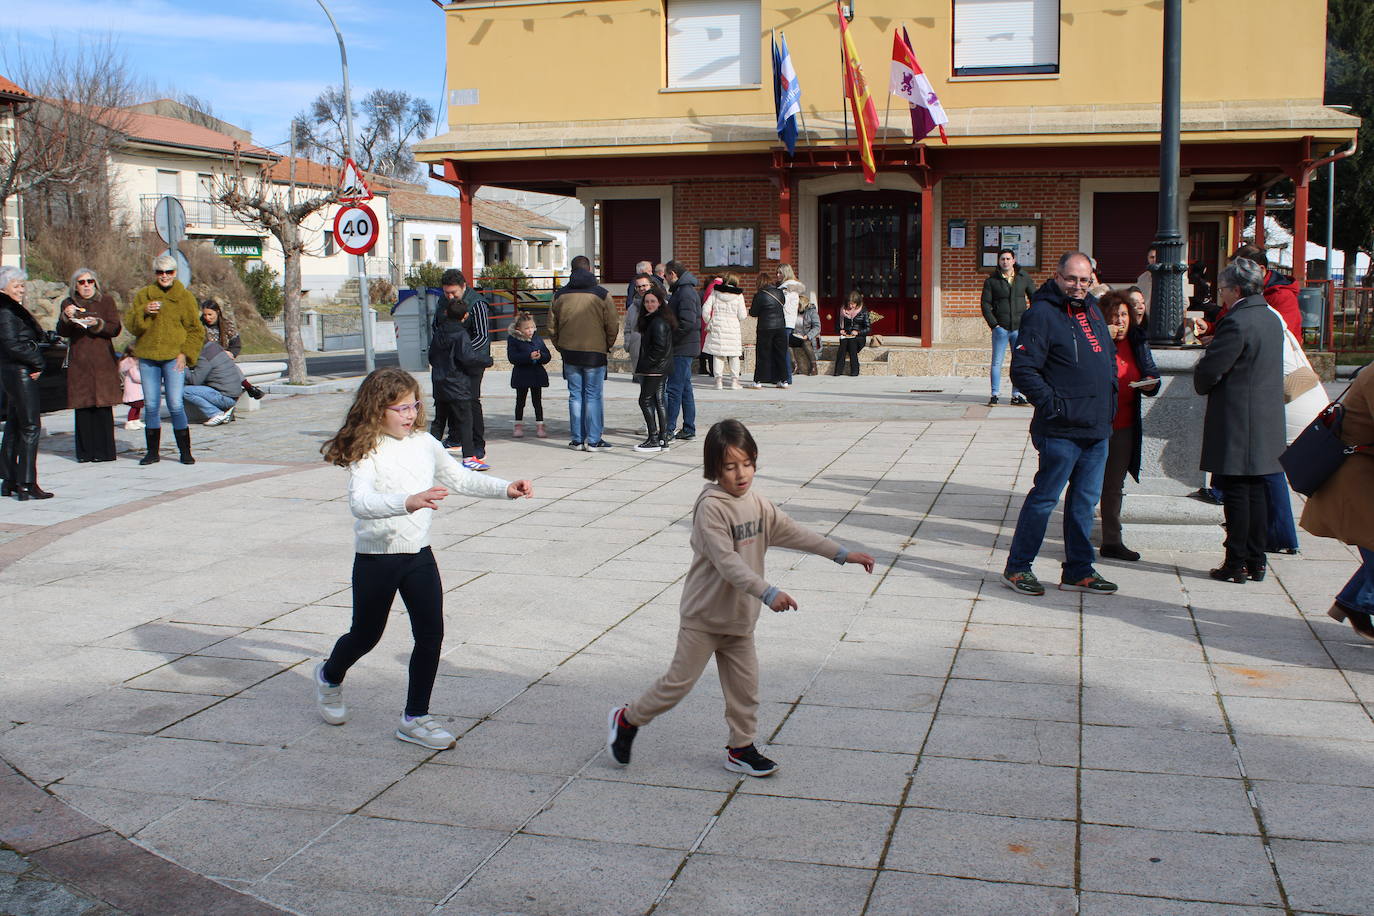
x: 685, y: 301
x: 1065, y: 363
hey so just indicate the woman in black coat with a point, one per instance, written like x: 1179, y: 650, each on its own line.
x: 770, y: 334
x: 1243, y: 433
x: 1134, y: 364
x: 657, y: 324
x: 21, y: 363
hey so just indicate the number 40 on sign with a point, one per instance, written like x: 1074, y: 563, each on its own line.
x: 355, y: 228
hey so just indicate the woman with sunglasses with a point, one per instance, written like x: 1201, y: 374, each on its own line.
x: 90, y: 320
x: 165, y: 319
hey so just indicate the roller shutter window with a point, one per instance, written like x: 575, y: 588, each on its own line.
x: 1124, y: 225
x: 713, y: 44
x: 1005, y: 37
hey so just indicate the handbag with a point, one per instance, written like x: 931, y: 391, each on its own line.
x: 1318, y: 451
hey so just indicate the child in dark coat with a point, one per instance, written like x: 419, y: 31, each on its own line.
x: 453, y: 360
x: 528, y: 356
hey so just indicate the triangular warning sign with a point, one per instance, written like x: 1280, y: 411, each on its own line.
x: 352, y: 187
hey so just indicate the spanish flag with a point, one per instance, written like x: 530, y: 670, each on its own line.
x: 860, y: 101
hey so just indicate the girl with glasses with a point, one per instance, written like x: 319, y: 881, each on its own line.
x: 397, y: 476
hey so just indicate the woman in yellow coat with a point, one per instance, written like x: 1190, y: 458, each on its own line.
x: 1344, y: 506
x: 165, y: 318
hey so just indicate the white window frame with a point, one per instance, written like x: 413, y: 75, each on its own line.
x: 698, y: 60
x: 1034, y: 49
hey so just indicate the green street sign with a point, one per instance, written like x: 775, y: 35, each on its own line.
x: 238, y: 248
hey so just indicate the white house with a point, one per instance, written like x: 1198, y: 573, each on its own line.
x: 11, y: 251
x: 427, y: 227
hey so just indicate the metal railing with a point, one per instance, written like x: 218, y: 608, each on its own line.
x: 1350, y: 328
x: 201, y: 212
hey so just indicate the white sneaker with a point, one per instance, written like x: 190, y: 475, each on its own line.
x: 330, y: 698
x: 753, y: 384
x: 219, y: 418
x: 735, y: 385
x: 426, y: 732
x: 133, y: 424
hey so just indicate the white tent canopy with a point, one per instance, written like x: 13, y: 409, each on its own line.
x: 1278, y: 242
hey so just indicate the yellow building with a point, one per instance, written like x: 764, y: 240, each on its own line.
x: 659, y: 117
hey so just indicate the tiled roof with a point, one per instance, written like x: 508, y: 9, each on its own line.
x: 10, y: 90
x: 498, y: 216
x: 165, y: 131
x: 318, y: 175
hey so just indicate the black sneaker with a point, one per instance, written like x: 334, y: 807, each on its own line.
x: 992, y: 401
x: 601, y: 446
x: 620, y: 736
x: 575, y: 445
x: 648, y: 445
x: 1023, y: 582
x: 1093, y: 583
x: 685, y: 436
x: 749, y: 761
x: 1119, y: 552
x: 255, y: 392
x: 1019, y: 400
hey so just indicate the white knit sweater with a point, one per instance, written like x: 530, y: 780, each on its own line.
x: 396, y: 469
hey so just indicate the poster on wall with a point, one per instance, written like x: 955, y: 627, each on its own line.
x: 729, y: 245
x: 1021, y: 236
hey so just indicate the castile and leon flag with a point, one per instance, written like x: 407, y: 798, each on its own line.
x: 910, y: 83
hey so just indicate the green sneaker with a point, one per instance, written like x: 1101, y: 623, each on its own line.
x: 1024, y: 582
x: 1091, y: 583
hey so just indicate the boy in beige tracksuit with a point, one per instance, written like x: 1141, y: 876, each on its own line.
x: 732, y: 529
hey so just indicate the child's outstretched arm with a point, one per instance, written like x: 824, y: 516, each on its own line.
x: 785, y: 532
x: 459, y: 479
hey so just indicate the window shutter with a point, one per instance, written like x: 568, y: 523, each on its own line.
x: 1124, y: 225
x: 713, y: 43
x: 1006, y: 36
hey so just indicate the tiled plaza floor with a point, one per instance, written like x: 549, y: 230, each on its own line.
x: 947, y: 746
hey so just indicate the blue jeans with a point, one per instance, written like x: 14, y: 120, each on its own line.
x: 788, y: 338
x: 1358, y: 594
x: 1280, y: 532
x: 680, y: 395
x: 207, y: 400
x: 1080, y: 464
x: 1001, y: 340
x: 584, y: 402
x: 158, y: 375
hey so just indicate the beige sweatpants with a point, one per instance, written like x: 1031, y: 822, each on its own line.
x: 738, y: 666
x: 721, y: 364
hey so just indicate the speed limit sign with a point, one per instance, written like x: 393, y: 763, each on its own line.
x: 355, y: 228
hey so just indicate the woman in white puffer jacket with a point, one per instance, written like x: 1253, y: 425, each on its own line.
x: 722, y: 313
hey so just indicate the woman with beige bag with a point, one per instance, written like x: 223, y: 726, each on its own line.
x: 1303, y: 398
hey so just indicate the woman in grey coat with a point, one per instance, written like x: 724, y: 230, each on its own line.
x: 1243, y: 433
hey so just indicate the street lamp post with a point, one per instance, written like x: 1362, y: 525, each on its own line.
x: 1167, y: 307
x: 369, y: 355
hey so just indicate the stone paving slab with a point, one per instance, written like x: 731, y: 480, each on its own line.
x: 946, y: 745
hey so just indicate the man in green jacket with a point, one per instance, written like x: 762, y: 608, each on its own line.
x: 1006, y: 294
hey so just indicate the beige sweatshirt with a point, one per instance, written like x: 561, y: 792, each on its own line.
x: 725, y: 588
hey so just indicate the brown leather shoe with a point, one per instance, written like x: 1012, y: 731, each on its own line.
x: 1359, y: 621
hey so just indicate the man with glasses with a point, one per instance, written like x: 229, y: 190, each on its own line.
x: 1065, y: 363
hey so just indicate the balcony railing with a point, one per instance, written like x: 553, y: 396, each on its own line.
x: 201, y: 213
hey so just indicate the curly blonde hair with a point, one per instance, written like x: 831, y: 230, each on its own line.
x: 362, y: 429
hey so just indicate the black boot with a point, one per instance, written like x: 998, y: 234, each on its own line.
x: 183, y: 437
x: 153, y: 438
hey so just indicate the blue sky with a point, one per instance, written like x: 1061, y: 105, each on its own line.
x: 258, y: 62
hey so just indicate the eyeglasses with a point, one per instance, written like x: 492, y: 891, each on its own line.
x: 84, y: 280
x: 164, y: 273
x: 403, y: 409
x: 1077, y: 281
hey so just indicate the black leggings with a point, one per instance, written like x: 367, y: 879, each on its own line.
x: 849, y: 346
x: 651, y: 402
x: 376, y: 579
x: 536, y: 401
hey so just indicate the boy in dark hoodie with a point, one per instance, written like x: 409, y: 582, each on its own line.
x: 732, y: 529
x: 453, y: 362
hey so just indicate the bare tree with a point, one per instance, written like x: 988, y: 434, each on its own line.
x: 61, y: 140
x: 391, y: 121
x: 255, y: 201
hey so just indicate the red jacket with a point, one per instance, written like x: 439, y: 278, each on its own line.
x: 1282, y: 293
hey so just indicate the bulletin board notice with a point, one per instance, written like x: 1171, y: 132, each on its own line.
x: 725, y: 245
x: 1021, y: 236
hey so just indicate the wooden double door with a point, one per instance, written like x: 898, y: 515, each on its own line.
x: 870, y: 241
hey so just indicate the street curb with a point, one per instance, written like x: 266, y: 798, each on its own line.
x: 101, y: 863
